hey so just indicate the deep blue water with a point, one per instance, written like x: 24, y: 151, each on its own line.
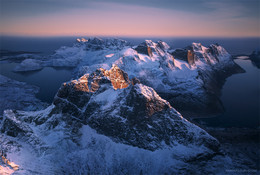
x: 240, y: 94
x: 241, y: 99
x: 45, y: 45
x: 48, y: 79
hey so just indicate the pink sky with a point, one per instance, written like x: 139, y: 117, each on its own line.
x: 113, y: 19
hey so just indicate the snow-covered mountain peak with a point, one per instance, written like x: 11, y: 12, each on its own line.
x: 133, y: 114
x: 196, y: 44
x: 148, y: 92
x: 163, y: 45
x: 199, y: 55
x: 154, y: 103
x: 152, y: 49
x: 81, y: 40
x: 103, y: 83
x: 150, y: 43
x: 90, y: 83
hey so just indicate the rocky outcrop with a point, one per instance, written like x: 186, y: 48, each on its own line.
x: 148, y: 48
x: 77, y: 93
x: 190, y: 57
x: 118, y: 78
x: 197, y: 52
x: 144, y: 49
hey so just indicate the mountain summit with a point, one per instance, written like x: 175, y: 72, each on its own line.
x: 128, y: 112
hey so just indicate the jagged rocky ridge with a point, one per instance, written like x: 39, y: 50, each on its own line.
x: 129, y: 115
x: 190, y: 78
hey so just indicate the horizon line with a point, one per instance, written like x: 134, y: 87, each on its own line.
x: 121, y: 36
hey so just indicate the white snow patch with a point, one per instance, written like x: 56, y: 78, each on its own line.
x: 109, y: 55
x: 242, y: 57
x: 148, y: 92
x: 29, y: 65
x: 107, y: 97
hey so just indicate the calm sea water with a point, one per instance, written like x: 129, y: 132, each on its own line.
x: 48, y: 79
x: 240, y: 94
x: 44, y: 45
x: 49, y: 44
x: 241, y: 99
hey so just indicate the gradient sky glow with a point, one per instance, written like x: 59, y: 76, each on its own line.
x: 203, y: 18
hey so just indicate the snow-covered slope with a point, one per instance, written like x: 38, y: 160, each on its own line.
x: 30, y: 65
x: 83, y: 52
x: 104, y: 123
x: 18, y: 95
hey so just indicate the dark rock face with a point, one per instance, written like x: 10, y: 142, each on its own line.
x: 182, y: 54
x: 135, y: 81
x: 129, y: 113
x: 255, y: 58
x: 132, y: 121
x: 193, y: 53
x: 148, y: 47
x: 144, y: 49
x: 73, y: 96
x: 190, y: 57
x: 14, y: 127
